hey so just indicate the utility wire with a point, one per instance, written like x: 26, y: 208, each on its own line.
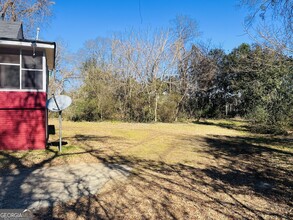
x: 139, y: 9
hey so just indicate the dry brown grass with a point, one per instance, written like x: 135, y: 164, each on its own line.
x: 179, y: 171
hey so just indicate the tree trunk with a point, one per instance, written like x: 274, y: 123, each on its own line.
x: 156, y: 107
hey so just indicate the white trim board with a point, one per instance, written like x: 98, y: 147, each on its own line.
x: 26, y: 44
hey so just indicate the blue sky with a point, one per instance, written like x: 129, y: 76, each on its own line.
x: 76, y: 21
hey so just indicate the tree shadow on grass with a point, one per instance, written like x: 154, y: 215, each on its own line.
x: 18, y: 191
x: 24, y: 187
x: 243, y: 127
x: 247, y: 165
x: 237, y: 187
x: 256, y: 129
x: 265, y: 139
x: 103, y: 139
x: 245, y: 176
x: 169, y: 191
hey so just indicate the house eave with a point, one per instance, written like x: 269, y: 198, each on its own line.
x: 50, y: 47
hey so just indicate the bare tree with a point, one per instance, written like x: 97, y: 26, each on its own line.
x: 271, y: 22
x: 183, y: 30
x: 33, y: 13
x: 65, y: 71
x: 144, y: 56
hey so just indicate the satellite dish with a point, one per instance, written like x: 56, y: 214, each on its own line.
x: 58, y: 103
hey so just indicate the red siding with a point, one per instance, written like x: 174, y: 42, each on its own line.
x: 22, y: 120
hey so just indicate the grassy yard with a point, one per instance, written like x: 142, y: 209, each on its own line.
x: 212, y: 169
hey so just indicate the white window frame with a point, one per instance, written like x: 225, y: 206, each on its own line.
x: 43, y: 70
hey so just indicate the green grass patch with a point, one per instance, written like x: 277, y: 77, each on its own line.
x: 168, y: 142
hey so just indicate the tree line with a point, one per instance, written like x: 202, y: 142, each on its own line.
x: 162, y: 75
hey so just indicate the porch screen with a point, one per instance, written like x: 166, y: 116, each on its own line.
x: 21, y: 69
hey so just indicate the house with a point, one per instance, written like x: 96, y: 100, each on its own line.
x: 24, y: 68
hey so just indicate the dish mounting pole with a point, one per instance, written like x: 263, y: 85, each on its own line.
x: 60, y: 131
x: 60, y: 124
